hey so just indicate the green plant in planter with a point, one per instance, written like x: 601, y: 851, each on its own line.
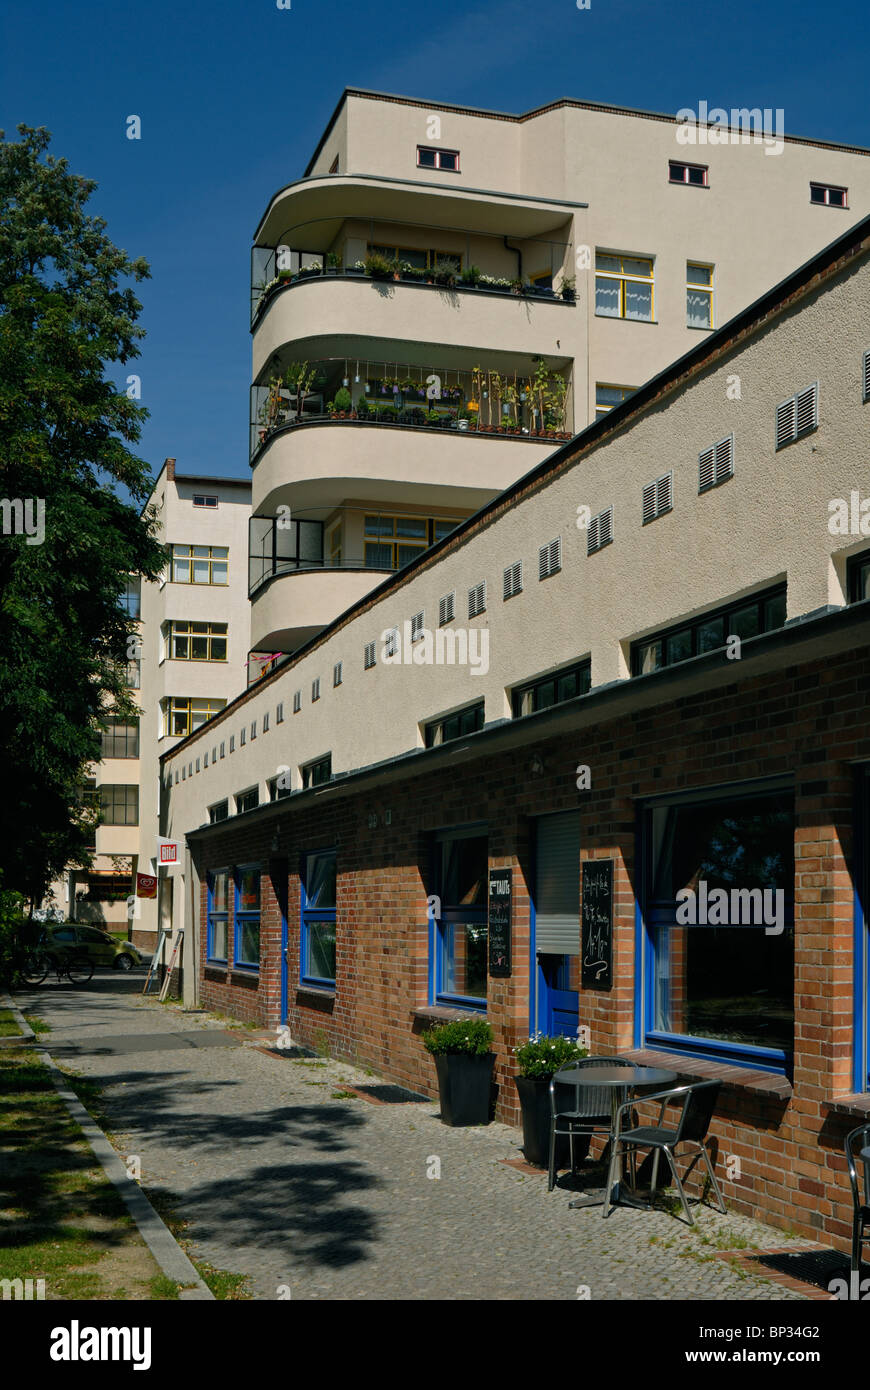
x: 464, y: 1036
x: 333, y: 260
x: 446, y: 273
x: 541, y: 1056
x: 362, y: 408
x: 379, y: 267
x: 342, y: 399
x: 569, y: 289
x: 471, y: 275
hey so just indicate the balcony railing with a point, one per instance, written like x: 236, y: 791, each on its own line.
x: 531, y: 268
x: 479, y: 401
x: 282, y: 545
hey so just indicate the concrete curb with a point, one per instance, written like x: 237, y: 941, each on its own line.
x: 159, y: 1239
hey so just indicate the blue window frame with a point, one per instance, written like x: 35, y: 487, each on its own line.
x: 218, y: 914
x: 246, y: 919
x: 861, y: 881
x: 716, y: 925
x: 317, y: 954
x: 458, y: 930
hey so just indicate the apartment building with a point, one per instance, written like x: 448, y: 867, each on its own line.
x: 447, y: 292
x: 643, y: 662
x: 194, y: 646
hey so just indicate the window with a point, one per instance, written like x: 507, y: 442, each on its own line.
x: 336, y: 674
x: 333, y: 168
x: 243, y: 734
x: 829, y: 195
x: 253, y: 728
x: 391, y: 642
x: 182, y: 716
x: 400, y: 540
x: 699, y: 295
x: 550, y: 558
x: 551, y: 690
x: 223, y: 747
x: 196, y: 641
x: 318, y: 917
x: 624, y: 286
x: 606, y: 397
x: 119, y: 805
x: 419, y: 259
x: 120, y: 740
x: 716, y: 464
x: 205, y: 759
x: 279, y: 712
x: 695, y: 174
x: 218, y: 911
x: 477, y: 600
x: 197, y: 764
x: 280, y: 786
x: 317, y: 773
x: 512, y: 580
x: 447, y: 609
x: 199, y: 564
x: 858, y: 571
x: 247, y: 917
x: 266, y: 722
x: 297, y: 701
x: 429, y: 158
x: 719, y: 925
x: 232, y: 743
x: 132, y: 673
x: 600, y: 531
x: 465, y: 721
x: 247, y: 800
x: 459, y: 934
x: 369, y: 656
x: 203, y: 499
x: 220, y: 811
x: 131, y: 597
x: 865, y: 376
x: 658, y: 498
x: 797, y: 416
x: 417, y: 625
x: 744, y: 618
x: 315, y: 689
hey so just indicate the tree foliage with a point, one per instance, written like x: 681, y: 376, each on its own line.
x: 67, y: 312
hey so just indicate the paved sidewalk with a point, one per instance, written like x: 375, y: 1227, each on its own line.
x: 329, y: 1197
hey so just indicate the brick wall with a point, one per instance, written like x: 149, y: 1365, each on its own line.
x: 809, y: 721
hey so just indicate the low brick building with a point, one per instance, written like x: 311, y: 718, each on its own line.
x: 675, y: 690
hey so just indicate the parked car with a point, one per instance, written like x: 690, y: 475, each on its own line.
x: 98, y: 946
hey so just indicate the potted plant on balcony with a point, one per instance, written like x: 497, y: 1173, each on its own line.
x: 333, y: 263
x: 538, y: 1059
x: 463, y: 1062
x: 342, y: 402
x: 362, y: 409
x: 446, y: 273
x: 569, y: 289
x: 470, y: 277
x: 378, y: 267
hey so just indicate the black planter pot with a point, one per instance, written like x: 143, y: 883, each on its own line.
x: 465, y: 1087
x: 534, y: 1094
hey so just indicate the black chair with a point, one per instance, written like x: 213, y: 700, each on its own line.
x: 697, y: 1102
x: 587, y: 1112
x: 856, y: 1142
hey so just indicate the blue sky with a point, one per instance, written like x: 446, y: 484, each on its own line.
x: 234, y: 94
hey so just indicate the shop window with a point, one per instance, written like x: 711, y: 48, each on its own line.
x: 459, y: 932
x: 247, y: 917
x: 318, y: 917
x: 718, y: 919
x: 218, y: 912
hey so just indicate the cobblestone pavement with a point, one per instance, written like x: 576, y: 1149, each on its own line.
x: 327, y: 1196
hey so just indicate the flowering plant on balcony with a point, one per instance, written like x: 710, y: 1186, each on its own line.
x: 495, y: 282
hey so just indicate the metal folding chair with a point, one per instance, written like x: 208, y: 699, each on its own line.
x: 588, y: 1112
x: 697, y: 1102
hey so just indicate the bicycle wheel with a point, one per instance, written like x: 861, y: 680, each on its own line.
x: 34, y: 968
x: 80, y: 969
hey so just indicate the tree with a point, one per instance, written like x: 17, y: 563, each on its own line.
x: 67, y: 312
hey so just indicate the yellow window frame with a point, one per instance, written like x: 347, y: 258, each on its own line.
x: 623, y: 277
x: 189, y: 630
x: 184, y: 554
x: 703, y: 288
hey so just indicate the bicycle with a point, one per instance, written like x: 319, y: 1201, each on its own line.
x: 37, y: 965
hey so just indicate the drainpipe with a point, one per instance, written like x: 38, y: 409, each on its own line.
x: 519, y: 255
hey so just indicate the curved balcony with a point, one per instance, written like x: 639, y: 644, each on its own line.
x: 347, y: 314
x: 292, y: 604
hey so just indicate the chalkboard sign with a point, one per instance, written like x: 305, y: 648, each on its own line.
x: 597, y: 924
x: 500, y: 922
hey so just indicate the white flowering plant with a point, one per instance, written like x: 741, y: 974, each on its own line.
x: 541, y: 1056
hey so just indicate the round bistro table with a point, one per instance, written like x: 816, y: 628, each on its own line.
x: 617, y: 1079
